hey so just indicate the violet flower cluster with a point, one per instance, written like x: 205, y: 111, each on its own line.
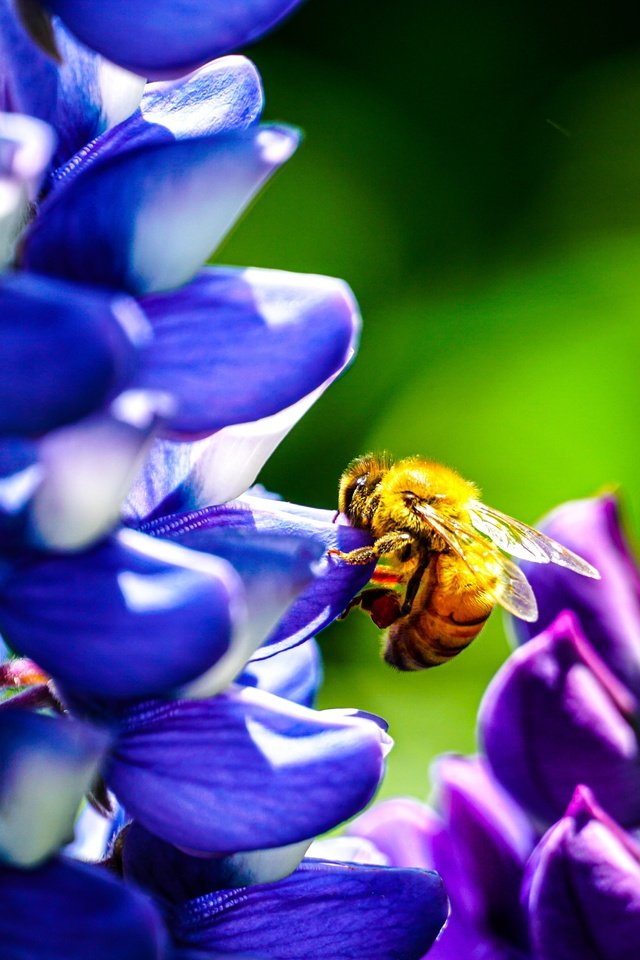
x: 158, y: 619
x: 537, y: 839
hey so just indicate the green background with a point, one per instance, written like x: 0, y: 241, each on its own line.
x: 473, y: 171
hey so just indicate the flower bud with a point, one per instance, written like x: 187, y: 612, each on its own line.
x: 554, y: 716
x: 609, y: 608
x: 582, y: 887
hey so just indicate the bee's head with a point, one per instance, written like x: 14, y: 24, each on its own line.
x: 358, y: 483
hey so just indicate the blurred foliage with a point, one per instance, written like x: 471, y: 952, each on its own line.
x: 473, y: 171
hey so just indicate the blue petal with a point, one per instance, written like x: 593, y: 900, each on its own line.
x: 94, y: 833
x: 335, y: 582
x: 20, y: 476
x: 175, y: 876
x: 75, y: 96
x: 216, y: 469
x: 243, y: 771
x: 68, y: 911
x: 240, y: 345
x: 222, y: 97
x: 186, y: 953
x: 132, y: 617
x: 47, y: 764
x: 295, y: 674
x: 64, y: 349
x: 274, y: 571
x: 173, y: 40
x: 65, y: 490
x: 147, y: 219
x: 342, y: 911
x: 86, y: 470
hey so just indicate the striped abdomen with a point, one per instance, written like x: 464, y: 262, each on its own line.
x: 449, y: 611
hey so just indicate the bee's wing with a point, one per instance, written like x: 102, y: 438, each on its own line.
x: 512, y: 590
x: 524, y: 542
x: 455, y: 535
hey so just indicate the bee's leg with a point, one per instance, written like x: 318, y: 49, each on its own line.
x: 413, y: 584
x: 389, y: 543
x: 381, y: 603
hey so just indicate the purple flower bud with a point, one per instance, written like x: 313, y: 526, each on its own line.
x: 479, y: 842
x: 555, y: 716
x: 582, y: 887
x: 401, y: 829
x: 482, y: 852
x: 608, y: 609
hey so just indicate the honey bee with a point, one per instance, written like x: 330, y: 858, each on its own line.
x: 445, y: 549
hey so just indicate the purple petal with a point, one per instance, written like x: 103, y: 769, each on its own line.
x: 79, y: 97
x: 460, y: 939
x: 138, y: 617
x: 347, y: 849
x: 335, y: 582
x: 47, y: 765
x: 243, y: 771
x: 67, y: 910
x: 608, y: 609
x: 342, y: 911
x: 175, y: 876
x: 555, y: 716
x: 410, y: 834
x: 294, y: 674
x: 582, y: 890
x: 172, y: 41
x: 222, y: 97
x: 482, y: 853
x: 147, y: 219
x: 239, y: 345
x: 402, y: 829
x: 65, y: 349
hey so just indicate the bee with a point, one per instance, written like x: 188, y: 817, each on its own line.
x: 445, y: 549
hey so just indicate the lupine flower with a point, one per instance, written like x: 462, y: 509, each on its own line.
x: 582, y: 888
x: 479, y: 842
x: 134, y: 569
x: 608, y: 612
x: 555, y: 716
x: 559, y: 726
x: 137, y: 211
